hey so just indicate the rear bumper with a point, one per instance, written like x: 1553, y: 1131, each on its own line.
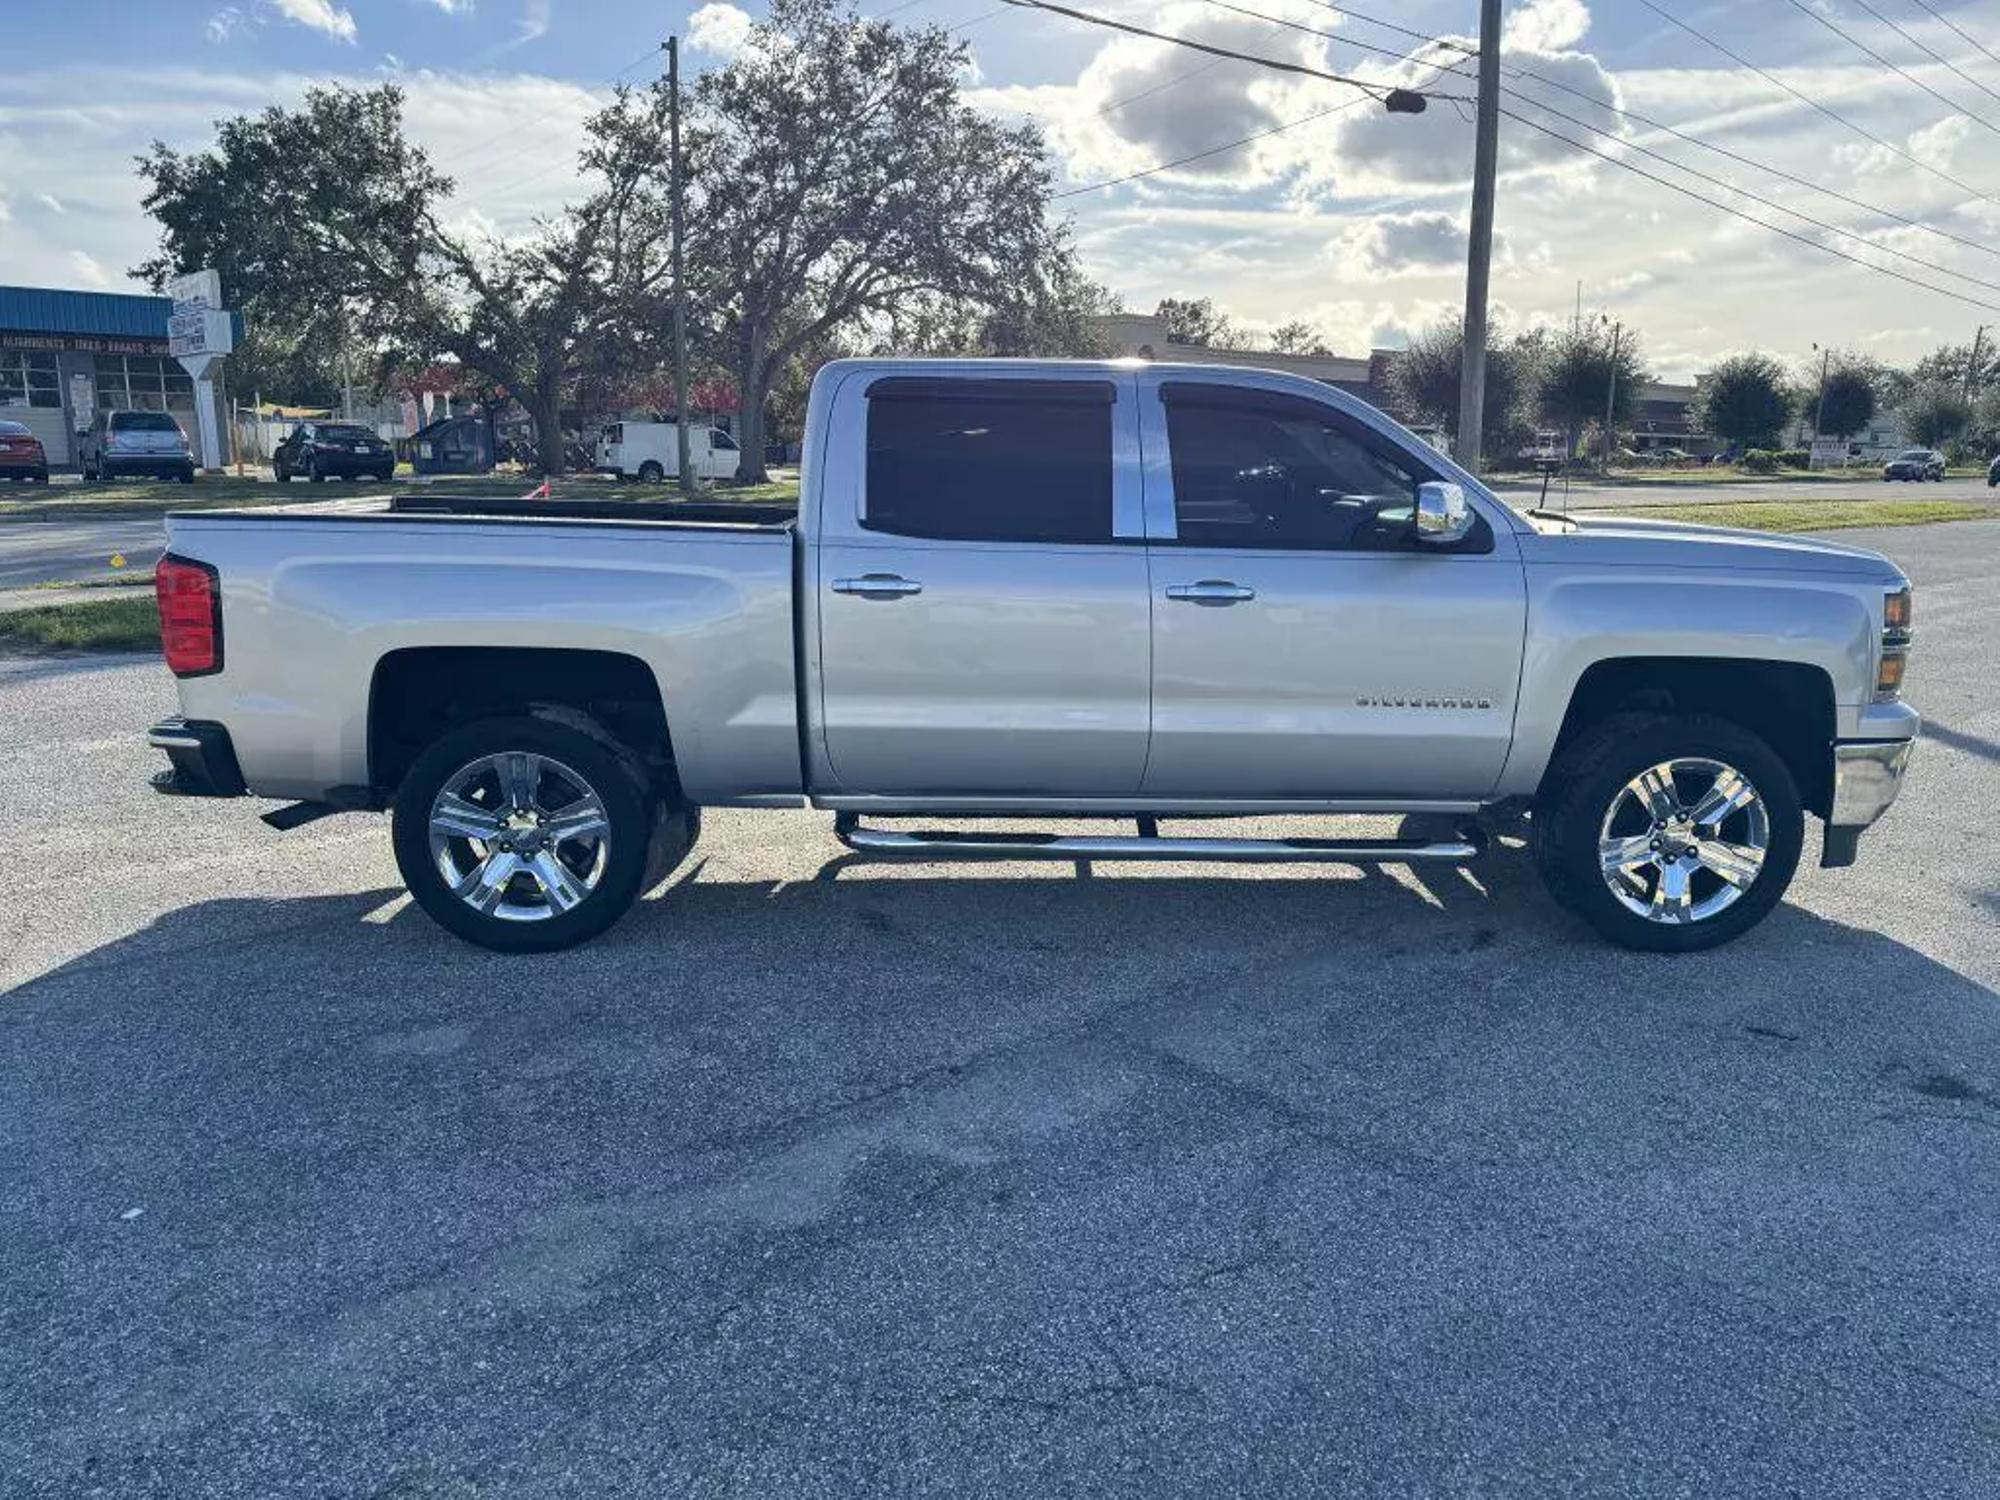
x: 158, y: 468
x: 1867, y: 775
x: 352, y: 463
x: 203, y: 762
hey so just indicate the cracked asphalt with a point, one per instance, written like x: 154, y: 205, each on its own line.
x: 820, y: 1178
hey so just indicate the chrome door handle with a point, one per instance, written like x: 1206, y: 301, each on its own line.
x: 877, y: 586
x: 1210, y: 591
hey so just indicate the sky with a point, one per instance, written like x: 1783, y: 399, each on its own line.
x: 1353, y: 220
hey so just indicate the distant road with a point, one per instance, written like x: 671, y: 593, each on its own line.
x: 1590, y: 495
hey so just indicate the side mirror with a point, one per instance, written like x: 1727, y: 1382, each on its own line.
x: 1442, y: 514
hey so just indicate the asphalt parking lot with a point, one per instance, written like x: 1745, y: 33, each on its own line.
x: 821, y: 1179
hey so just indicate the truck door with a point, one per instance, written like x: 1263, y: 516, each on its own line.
x: 1304, y: 643
x: 981, y: 588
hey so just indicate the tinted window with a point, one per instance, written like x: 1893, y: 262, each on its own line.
x: 345, y: 432
x: 721, y: 441
x: 12, y: 429
x: 1008, y: 461
x: 143, y: 421
x: 1276, y: 471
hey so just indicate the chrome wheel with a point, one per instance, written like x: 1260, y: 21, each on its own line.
x: 519, y: 836
x: 1683, y: 840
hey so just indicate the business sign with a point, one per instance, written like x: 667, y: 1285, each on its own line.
x: 196, y: 290
x: 200, y: 331
x: 1828, y: 453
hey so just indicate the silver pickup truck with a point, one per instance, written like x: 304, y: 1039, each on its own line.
x: 1052, y: 591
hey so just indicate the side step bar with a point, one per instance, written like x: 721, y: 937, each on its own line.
x: 953, y: 844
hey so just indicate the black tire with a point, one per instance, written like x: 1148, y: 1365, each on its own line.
x: 632, y: 836
x: 280, y: 473
x: 186, y: 476
x: 651, y: 473
x: 1588, y: 777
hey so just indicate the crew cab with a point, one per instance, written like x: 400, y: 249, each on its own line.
x: 1047, y: 590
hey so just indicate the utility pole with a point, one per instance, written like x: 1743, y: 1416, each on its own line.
x: 685, y: 462
x: 1819, y: 407
x: 1611, y: 392
x: 1479, y: 252
x: 1972, y: 364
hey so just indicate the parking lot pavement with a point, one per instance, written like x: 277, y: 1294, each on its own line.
x: 816, y: 1178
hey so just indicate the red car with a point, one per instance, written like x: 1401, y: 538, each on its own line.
x: 21, y: 455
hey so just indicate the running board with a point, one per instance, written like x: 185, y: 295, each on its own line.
x: 953, y: 844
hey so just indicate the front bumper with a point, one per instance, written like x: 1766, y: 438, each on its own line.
x: 203, y: 760
x: 1867, y: 775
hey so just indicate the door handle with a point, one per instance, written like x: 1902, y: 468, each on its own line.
x: 1210, y: 591
x: 877, y: 586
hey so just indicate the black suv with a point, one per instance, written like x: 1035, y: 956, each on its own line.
x: 340, y: 450
x: 1915, y: 463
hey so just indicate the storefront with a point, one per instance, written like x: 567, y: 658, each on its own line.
x: 67, y: 355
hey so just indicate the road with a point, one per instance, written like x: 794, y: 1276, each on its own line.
x: 815, y: 1178
x: 36, y: 551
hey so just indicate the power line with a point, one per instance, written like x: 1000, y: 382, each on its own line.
x: 1669, y: 161
x: 1688, y: 192
x: 1807, y: 99
x: 485, y: 146
x: 1377, y: 90
x: 1583, y: 146
x: 1925, y: 47
x: 1923, y: 5
x: 1945, y: 99
x: 1182, y: 161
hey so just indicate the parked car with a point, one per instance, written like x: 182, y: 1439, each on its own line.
x: 21, y: 454
x: 1043, y: 589
x: 333, y: 450
x: 119, y: 444
x: 1915, y: 463
x: 650, y: 452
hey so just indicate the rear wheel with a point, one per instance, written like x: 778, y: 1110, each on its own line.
x: 1669, y: 833
x: 524, y: 835
x: 651, y: 473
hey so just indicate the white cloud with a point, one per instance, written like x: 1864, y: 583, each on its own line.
x: 224, y: 23
x: 1545, y: 26
x: 720, y: 29
x: 87, y: 270
x: 318, y: 15
x: 51, y: 202
x: 534, y: 22
x: 1403, y: 244
x: 454, y: 7
x: 6, y: 209
x: 1936, y: 145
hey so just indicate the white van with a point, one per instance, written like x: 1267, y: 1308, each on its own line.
x: 650, y: 452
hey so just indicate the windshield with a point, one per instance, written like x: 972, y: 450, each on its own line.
x: 1915, y: 453
x: 143, y: 421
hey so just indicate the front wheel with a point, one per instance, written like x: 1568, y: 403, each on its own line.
x: 524, y: 835
x: 1669, y: 833
x: 651, y: 473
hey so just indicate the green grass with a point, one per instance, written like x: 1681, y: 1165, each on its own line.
x: 97, y: 625
x: 1817, y: 515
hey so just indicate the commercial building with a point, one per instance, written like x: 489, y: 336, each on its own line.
x: 66, y: 355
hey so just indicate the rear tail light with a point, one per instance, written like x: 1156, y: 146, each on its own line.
x: 190, y: 595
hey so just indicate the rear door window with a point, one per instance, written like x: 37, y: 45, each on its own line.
x: 143, y: 421
x: 990, y: 460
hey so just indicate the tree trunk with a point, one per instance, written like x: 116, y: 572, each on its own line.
x: 544, y: 406
x: 753, y: 382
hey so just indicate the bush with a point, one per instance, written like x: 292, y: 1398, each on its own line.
x: 1794, y: 458
x: 1759, y: 461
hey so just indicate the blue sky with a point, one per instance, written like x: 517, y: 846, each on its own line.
x: 1354, y: 221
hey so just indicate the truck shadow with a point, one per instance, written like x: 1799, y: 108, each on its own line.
x: 315, y: 1155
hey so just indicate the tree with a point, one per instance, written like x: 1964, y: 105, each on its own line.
x: 1745, y: 399
x: 837, y: 180
x: 1947, y: 364
x: 323, y: 223
x: 1846, y: 402
x: 1933, y: 413
x: 1196, y: 321
x: 1299, y: 337
x: 1577, y: 375
x: 1425, y: 379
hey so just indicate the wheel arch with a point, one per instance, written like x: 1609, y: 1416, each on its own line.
x: 417, y: 693
x: 1790, y: 705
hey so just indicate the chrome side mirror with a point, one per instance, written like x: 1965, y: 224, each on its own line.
x: 1442, y: 514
